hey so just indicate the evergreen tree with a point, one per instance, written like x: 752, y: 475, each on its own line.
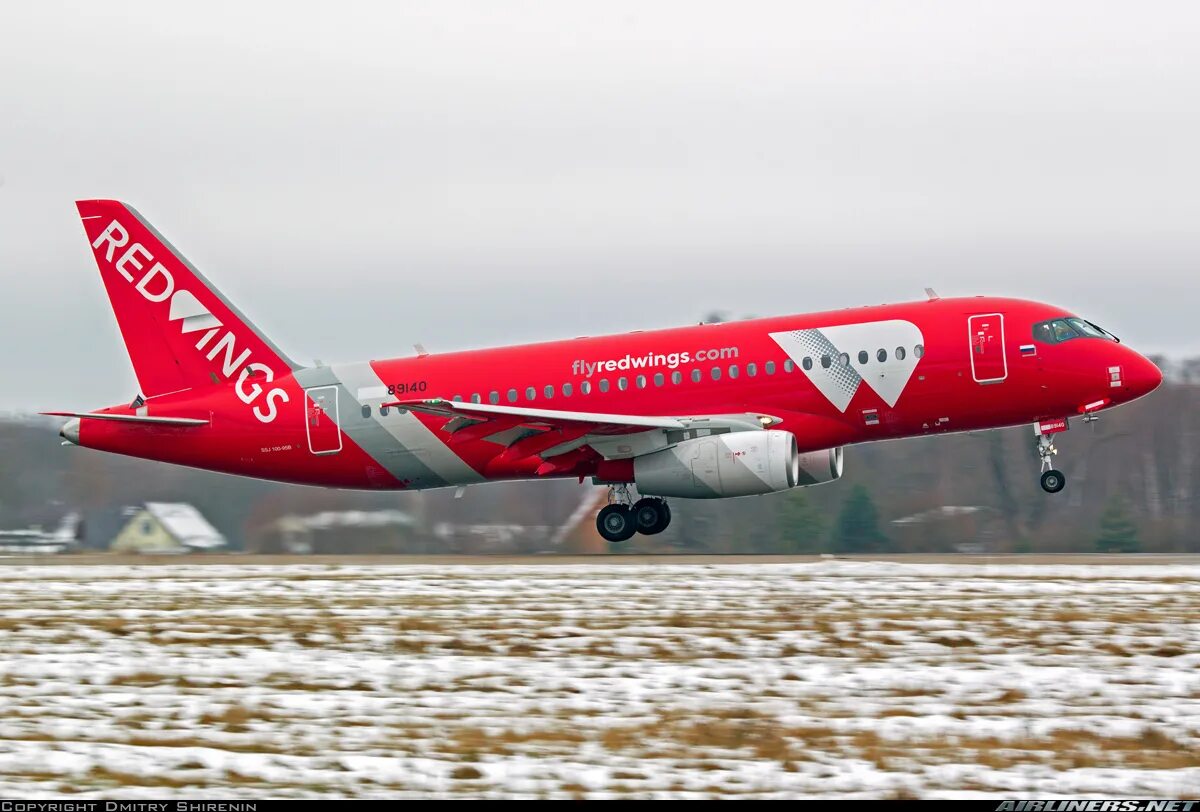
x: 801, y: 525
x: 857, y: 529
x: 1118, y: 533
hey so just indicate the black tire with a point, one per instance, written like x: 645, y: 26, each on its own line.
x: 1053, y: 481
x: 666, y: 518
x: 651, y: 515
x: 616, y: 523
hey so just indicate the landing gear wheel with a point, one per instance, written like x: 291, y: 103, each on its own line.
x: 1053, y: 481
x: 651, y: 515
x: 616, y: 523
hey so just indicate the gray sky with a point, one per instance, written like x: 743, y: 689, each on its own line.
x: 357, y: 177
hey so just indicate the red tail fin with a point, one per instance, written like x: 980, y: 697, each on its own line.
x: 180, y: 332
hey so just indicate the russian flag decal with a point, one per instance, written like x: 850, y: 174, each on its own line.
x: 1028, y: 350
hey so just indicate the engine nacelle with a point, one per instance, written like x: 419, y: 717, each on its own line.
x: 819, y: 467
x: 743, y: 463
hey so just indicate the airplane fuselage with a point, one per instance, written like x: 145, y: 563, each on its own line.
x: 830, y: 379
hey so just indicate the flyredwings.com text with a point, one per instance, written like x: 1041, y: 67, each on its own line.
x: 651, y: 360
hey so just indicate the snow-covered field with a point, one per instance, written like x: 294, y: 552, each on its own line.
x: 831, y: 679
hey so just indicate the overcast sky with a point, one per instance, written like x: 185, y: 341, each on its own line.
x: 358, y: 177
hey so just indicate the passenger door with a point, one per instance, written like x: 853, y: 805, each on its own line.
x: 321, y: 420
x: 986, y: 335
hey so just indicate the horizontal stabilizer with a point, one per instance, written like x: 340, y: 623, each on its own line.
x: 133, y: 418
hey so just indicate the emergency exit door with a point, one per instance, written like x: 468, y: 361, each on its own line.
x: 986, y: 334
x: 321, y: 420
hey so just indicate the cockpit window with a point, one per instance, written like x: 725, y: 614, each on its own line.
x: 1056, y: 331
x: 1063, y: 331
x: 1088, y: 329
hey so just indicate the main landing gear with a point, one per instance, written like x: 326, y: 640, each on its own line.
x: 623, y: 517
x: 1053, y: 480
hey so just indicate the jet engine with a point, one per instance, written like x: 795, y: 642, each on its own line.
x: 742, y: 463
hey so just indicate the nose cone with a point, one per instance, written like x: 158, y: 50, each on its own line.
x: 70, y: 432
x: 1141, y: 376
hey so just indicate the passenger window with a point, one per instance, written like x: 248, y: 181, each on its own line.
x: 826, y: 361
x: 919, y: 350
x: 769, y: 367
x: 844, y: 359
x: 366, y: 410
x: 899, y: 353
x: 622, y: 383
x: 659, y: 380
x: 881, y: 355
x: 862, y: 356
x: 676, y: 377
x: 457, y: 398
x: 530, y: 393
x: 604, y: 384
x: 751, y: 369
x: 696, y: 374
x: 494, y: 397
x: 475, y: 398
x: 585, y: 388
x: 807, y: 362
x: 733, y: 371
x: 566, y: 390
x: 548, y: 390
x: 716, y: 373
x: 512, y: 395
x: 788, y: 366
x: 641, y: 381
x: 383, y: 410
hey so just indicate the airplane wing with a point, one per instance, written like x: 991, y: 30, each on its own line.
x: 557, y: 436
x: 612, y: 423
x: 133, y: 418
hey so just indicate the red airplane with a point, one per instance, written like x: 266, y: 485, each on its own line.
x: 709, y: 411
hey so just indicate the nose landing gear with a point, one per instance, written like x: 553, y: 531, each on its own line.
x: 623, y: 517
x: 1053, y: 480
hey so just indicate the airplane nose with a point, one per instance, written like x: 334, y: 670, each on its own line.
x: 1141, y: 376
x: 70, y: 432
